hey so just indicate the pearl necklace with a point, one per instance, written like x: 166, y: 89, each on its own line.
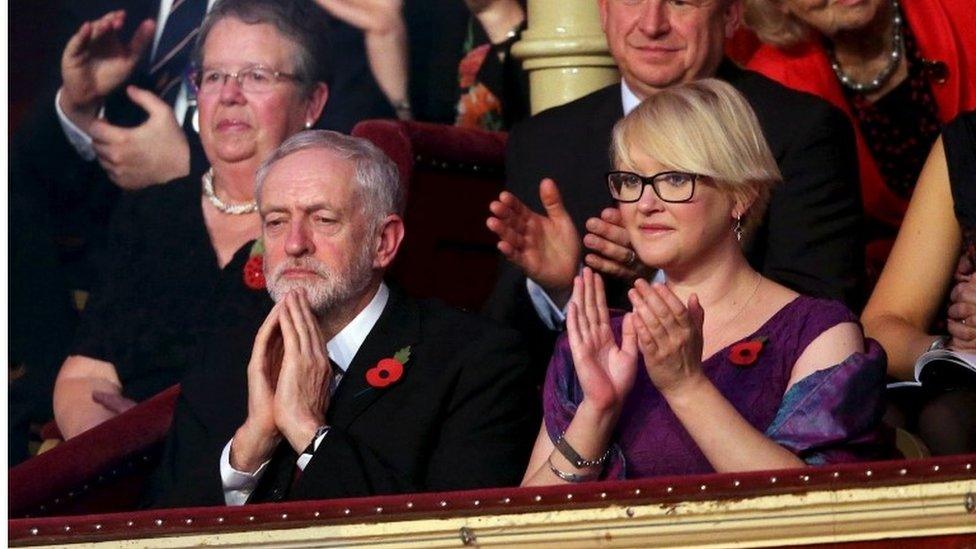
x: 893, y: 58
x: 232, y: 209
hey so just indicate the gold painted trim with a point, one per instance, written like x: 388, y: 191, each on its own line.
x: 817, y: 516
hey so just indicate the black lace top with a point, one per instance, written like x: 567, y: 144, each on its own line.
x: 158, y: 285
x: 901, y: 126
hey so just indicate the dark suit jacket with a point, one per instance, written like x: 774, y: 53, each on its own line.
x: 60, y: 204
x: 809, y: 240
x: 463, y: 415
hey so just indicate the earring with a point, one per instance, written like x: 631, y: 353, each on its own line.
x: 737, y: 229
x: 308, y: 124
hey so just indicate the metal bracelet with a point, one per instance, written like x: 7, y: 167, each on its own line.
x: 569, y: 477
x: 939, y: 343
x: 573, y: 456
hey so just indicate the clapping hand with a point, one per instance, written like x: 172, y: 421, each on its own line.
x: 669, y: 335
x: 156, y: 151
x: 605, y: 370
x: 546, y: 247
x: 610, y: 241
x: 962, y: 309
x: 95, y: 62
x: 302, y: 393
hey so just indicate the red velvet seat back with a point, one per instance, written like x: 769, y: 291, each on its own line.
x: 452, y: 174
x: 102, y: 469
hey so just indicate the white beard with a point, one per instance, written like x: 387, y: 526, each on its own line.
x: 329, y: 289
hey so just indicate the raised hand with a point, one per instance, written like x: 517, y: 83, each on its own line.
x: 95, y: 62
x: 369, y: 16
x: 961, y: 321
x: 546, y: 247
x: 605, y: 370
x: 669, y: 336
x: 154, y: 152
x: 385, y: 37
x: 256, y: 439
x: 302, y: 395
x: 610, y: 242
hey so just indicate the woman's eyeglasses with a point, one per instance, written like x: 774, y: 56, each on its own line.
x: 669, y: 186
x: 251, y: 80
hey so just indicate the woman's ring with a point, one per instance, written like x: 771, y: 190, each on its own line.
x: 631, y: 259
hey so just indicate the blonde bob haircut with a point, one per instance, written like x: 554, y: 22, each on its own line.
x: 704, y: 127
x: 773, y: 25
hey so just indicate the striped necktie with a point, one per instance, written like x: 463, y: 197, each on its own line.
x: 172, y: 56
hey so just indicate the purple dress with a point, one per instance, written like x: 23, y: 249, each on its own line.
x: 832, y: 415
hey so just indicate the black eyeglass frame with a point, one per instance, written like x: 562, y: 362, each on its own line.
x: 651, y: 181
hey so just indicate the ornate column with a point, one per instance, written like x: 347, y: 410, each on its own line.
x: 564, y: 52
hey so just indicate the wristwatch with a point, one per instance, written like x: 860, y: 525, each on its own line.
x: 310, y: 449
x: 573, y: 456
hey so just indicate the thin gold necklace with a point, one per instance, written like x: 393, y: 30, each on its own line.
x: 745, y: 304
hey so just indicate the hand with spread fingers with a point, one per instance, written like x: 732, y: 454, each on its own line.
x: 301, y: 396
x: 613, y: 254
x: 606, y: 371
x: 95, y: 62
x: 256, y: 439
x: 156, y: 151
x: 961, y: 320
x: 546, y: 247
x: 669, y: 335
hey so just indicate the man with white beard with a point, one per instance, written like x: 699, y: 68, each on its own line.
x: 352, y: 388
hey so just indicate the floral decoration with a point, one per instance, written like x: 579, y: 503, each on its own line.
x: 477, y: 107
x: 745, y: 353
x: 254, y: 268
x: 389, y: 370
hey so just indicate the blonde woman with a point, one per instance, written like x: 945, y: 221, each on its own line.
x: 718, y: 368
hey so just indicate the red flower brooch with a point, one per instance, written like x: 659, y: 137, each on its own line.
x: 389, y: 370
x: 254, y: 268
x: 745, y: 353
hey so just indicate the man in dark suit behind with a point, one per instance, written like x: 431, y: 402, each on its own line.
x: 365, y: 390
x: 809, y: 240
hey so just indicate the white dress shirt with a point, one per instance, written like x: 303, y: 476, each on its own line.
x: 238, y: 485
x: 81, y: 141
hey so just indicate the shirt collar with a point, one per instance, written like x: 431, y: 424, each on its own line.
x: 344, y: 346
x: 628, y: 97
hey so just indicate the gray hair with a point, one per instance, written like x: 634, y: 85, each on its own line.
x: 300, y: 21
x: 773, y: 25
x: 377, y: 177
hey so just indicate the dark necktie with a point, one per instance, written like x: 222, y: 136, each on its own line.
x: 172, y: 56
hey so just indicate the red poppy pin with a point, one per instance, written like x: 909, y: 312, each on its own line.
x: 745, y: 353
x: 254, y: 268
x: 389, y: 370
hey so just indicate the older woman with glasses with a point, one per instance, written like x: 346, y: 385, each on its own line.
x: 174, y: 247
x: 766, y: 379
